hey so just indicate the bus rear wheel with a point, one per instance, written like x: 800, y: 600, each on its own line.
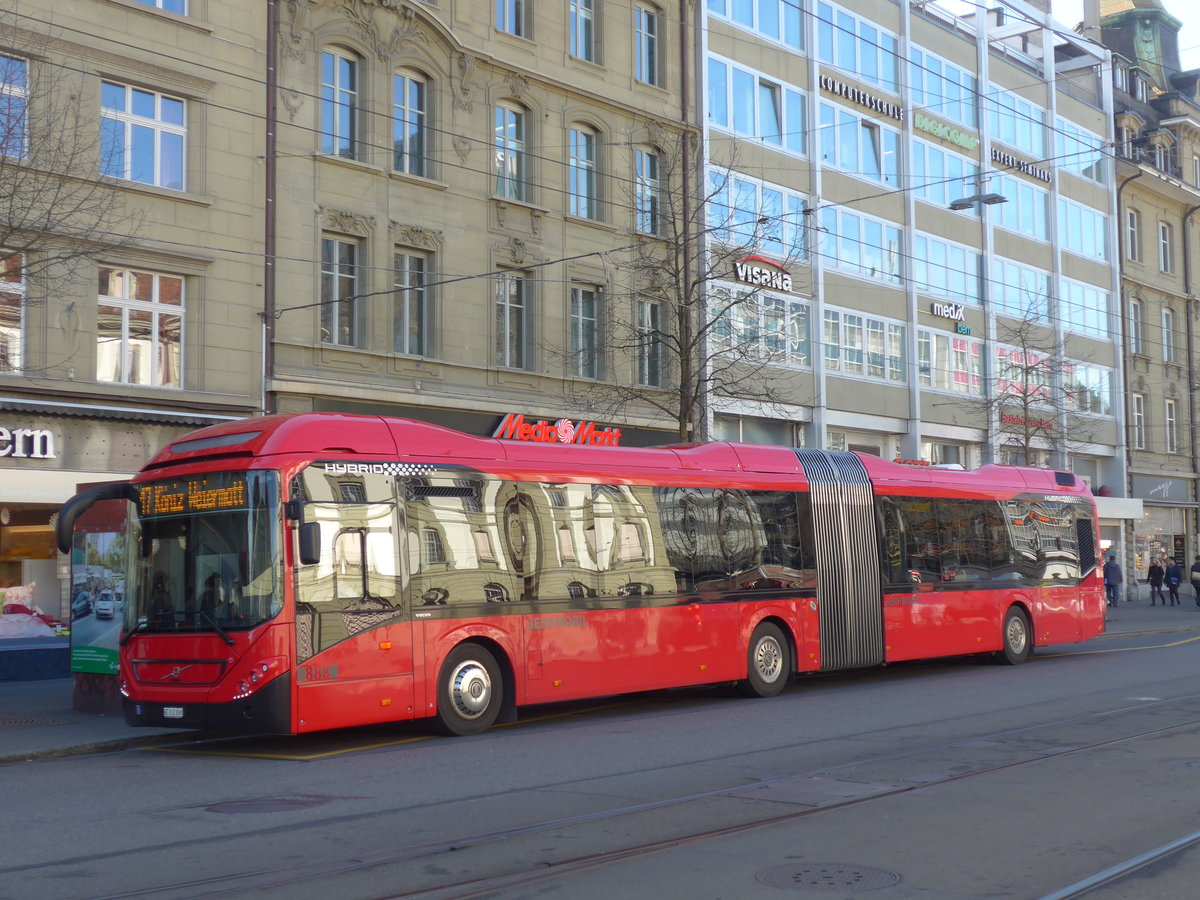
x: 770, y: 663
x: 1016, y: 637
x: 470, y: 691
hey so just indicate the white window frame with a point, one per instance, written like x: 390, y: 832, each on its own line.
x: 587, y: 357
x: 514, y: 295
x: 1168, y: 335
x: 410, y: 273
x: 339, y: 103
x: 650, y: 345
x: 647, y: 27
x: 410, y: 122
x: 509, y: 122
x: 1133, y: 235
x: 14, y: 94
x: 119, y: 161
x: 582, y: 172
x: 166, y: 5
x: 582, y: 23
x: 156, y: 309
x: 1136, y: 327
x: 647, y: 207
x: 1166, y: 237
x: 340, y: 306
x: 510, y: 17
x: 12, y: 289
x: 1171, y: 425
x: 1137, y: 420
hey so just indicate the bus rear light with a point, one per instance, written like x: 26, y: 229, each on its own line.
x: 123, y: 687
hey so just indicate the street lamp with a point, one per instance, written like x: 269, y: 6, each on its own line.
x: 984, y: 199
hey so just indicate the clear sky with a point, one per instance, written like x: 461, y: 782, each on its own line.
x: 1070, y: 12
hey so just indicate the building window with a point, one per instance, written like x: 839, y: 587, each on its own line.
x: 1136, y: 339
x: 582, y: 166
x: 856, y: 45
x: 650, y: 343
x: 753, y: 325
x: 583, y: 30
x: 645, y: 38
x: 756, y: 213
x: 1125, y: 142
x: 339, y: 105
x: 339, y: 292
x: 859, y: 146
x: 12, y: 304
x: 1133, y: 235
x: 1141, y: 89
x: 142, y: 136
x: 1168, y: 335
x: 139, y: 328
x: 585, y: 332
x: 175, y: 6
x: 944, y: 88
x: 409, y: 128
x: 776, y: 20
x: 1121, y: 78
x: 1196, y: 171
x: 863, y: 346
x: 1138, y: 421
x: 857, y: 245
x: 14, y: 103
x: 746, y: 103
x: 648, y: 192
x: 512, y: 319
x: 510, y: 17
x: 1165, y: 258
x: 1171, y: 413
x: 412, y: 316
x: 510, y: 153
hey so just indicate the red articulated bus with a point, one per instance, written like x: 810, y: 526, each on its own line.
x: 304, y: 572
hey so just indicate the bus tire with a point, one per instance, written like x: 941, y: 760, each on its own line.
x: 769, y: 663
x: 470, y: 691
x: 1016, y: 638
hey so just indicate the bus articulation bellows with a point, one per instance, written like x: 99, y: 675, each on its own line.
x: 304, y: 572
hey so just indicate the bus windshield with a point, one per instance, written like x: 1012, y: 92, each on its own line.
x: 204, y: 554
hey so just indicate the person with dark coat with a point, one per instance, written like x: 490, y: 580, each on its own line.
x: 1196, y: 579
x: 1155, y: 576
x: 1173, y: 575
x: 1112, y: 580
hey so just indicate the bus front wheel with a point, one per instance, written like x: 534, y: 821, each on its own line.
x: 769, y: 662
x: 1017, y: 638
x: 470, y: 691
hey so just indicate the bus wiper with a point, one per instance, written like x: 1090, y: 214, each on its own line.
x: 128, y: 635
x: 221, y: 631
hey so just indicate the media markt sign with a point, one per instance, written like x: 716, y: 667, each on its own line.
x: 762, y: 272
x: 564, y: 431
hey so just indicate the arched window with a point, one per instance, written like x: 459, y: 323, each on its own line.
x: 511, y: 178
x: 339, y: 103
x: 410, y: 132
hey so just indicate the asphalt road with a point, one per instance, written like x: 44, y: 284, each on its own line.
x: 951, y: 779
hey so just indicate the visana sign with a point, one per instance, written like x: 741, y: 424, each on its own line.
x: 564, y: 431
x: 762, y: 272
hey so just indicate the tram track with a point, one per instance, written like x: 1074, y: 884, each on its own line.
x: 279, y: 880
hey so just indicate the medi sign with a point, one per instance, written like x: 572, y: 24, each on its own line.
x: 564, y: 431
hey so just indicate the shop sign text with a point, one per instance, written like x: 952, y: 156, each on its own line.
x: 762, y: 272
x: 27, y: 443
x: 564, y: 431
x: 945, y: 132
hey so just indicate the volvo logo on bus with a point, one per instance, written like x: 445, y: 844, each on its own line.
x: 564, y: 431
x: 762, y: 272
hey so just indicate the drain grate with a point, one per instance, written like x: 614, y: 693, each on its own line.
x: 11, y: 721
x: 827, y: 877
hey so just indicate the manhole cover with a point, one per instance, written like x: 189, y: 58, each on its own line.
x: 827, y: 877
x: 10, y: 721
x: 267, y: 804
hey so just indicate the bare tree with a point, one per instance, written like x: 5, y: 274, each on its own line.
x: 679, y: 316
x: 56, y: 211
x: 1034, y: 394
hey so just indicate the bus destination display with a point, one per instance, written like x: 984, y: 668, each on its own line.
x: 214, y: 492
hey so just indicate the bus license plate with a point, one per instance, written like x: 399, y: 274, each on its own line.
x: 172, y: 712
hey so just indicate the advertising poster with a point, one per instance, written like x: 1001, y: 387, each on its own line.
x: 98, y: 587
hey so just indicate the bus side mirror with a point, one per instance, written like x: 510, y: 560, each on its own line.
x: 310, y: 543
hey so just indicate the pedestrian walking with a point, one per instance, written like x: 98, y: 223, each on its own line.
x: 1155, y: 576
x: 1113, y: 579
x: 1173, y: 575
x: 1196, y: 580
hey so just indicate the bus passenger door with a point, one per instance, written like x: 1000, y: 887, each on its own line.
x: 353, y: 628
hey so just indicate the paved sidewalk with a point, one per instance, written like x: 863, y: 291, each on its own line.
x: 37, y: 719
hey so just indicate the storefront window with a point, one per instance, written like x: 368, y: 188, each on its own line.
x: 1161, y: 534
